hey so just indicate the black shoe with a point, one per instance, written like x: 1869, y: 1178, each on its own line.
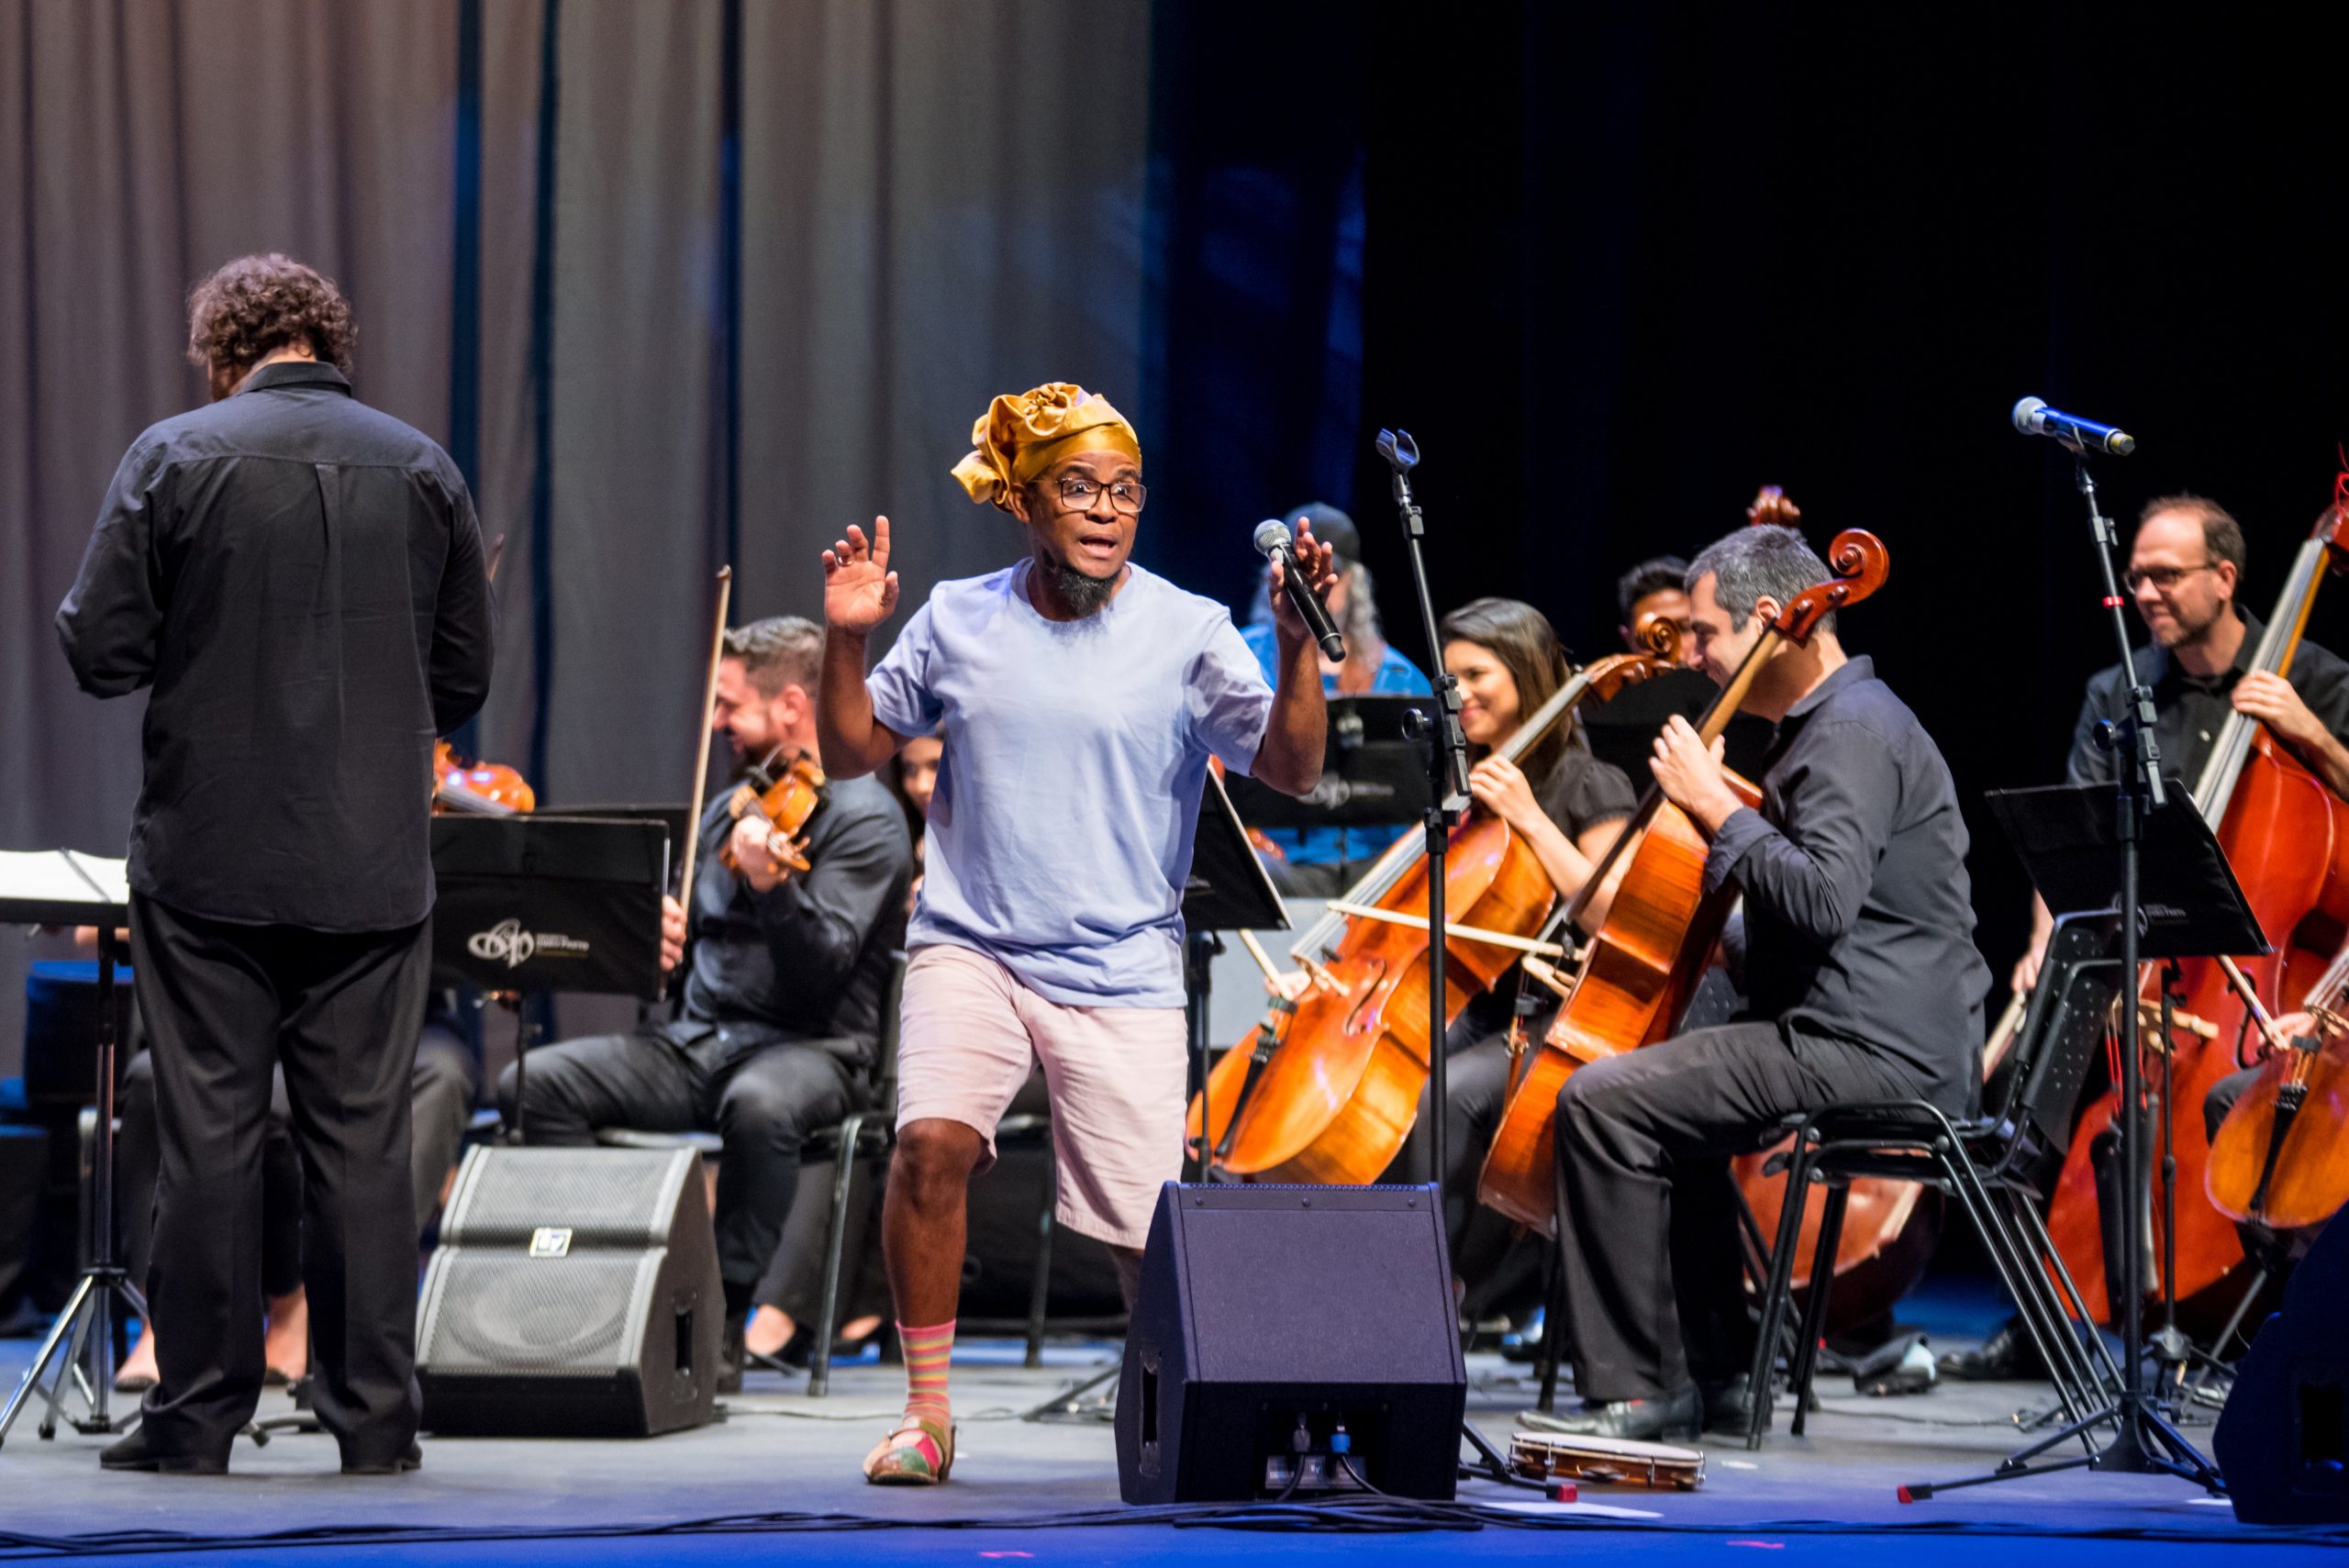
x: 1676, y: 1418
x: 412, y: 1460
x: 1729, y: 1406
x: 2007, y: 1355
x: 136, y: 1452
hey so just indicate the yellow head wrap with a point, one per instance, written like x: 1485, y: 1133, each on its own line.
x: 1019, y: 437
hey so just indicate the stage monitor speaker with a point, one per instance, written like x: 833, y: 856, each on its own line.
x: 1289, y: 1335
x: 2283, y: 1438
x: 574, y: 1294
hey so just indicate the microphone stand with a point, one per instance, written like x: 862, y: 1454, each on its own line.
x: 2142, y: 1442
x: 1447, y: 757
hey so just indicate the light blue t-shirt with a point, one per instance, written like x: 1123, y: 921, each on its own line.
x: 1075, y: 754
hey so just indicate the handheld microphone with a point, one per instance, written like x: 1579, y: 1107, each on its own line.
x: 2033, y: 417
x: 1273, y: 540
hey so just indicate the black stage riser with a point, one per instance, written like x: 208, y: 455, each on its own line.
x: 2283, y: 1440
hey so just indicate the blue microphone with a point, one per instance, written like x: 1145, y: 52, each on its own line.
x: 2033, y: 417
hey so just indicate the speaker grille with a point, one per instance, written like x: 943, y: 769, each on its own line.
x: 538, y: 1316
x: 605, y: 1197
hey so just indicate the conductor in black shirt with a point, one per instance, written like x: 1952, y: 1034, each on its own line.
x: 786, y: 972
x: 1863, y: 984
x: 299, y: 580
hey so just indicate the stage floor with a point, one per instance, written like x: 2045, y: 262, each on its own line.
x: 778, y: 1452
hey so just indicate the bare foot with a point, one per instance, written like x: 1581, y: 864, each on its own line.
x: 769, y: 1331
x: 139, y: 1371
x: 286, y: 1350
x: 857, y: 1329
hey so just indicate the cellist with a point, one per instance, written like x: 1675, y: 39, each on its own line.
x: 2186, y: 566
x: 1863, y: 981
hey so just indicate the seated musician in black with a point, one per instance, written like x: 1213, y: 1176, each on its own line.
x: 785, y: 972
x: 2186, y: 567
x: 1863, y: 981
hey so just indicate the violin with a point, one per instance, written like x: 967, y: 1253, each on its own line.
x: 787, y: 798
x: 480, y: 789
x: 2280, y: 1160
x: 2286, y: 836
x: 1644, y: 962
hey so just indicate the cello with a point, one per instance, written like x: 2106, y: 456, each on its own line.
x: 1329, y: 1085
x: 2280, y: 1159
x: 2286, y: 838
x: 1639, y: 969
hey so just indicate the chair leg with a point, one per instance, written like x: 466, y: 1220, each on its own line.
x: 1040, y: 1288
x: 1776, y: 1294
x: 819, y: 1354
x: 1814, y: 1309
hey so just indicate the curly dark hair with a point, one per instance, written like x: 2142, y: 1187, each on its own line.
x: 257, y: 305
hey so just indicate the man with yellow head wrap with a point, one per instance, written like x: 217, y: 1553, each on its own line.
x: 1080, y: 698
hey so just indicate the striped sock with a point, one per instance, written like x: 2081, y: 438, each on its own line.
x: 927, y: 1352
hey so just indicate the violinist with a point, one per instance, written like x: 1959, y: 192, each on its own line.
x: 1863, y: 980
x: 1081, y: 698
x: 785, y: 972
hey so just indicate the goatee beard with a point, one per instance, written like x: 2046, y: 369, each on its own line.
x: 1080, y: 593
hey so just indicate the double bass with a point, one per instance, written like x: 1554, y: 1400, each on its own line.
x: 1328, y: 1086
x: 1640, y: 968
x: 2286, y: 838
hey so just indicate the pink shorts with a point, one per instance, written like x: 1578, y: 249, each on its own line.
x: 969, y: 1035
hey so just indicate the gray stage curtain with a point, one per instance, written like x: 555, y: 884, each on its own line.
x: 939, y: 200
x: 141, y: 144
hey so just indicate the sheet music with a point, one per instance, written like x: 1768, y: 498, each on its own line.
x: 61, y: 876
x: 110, y: 879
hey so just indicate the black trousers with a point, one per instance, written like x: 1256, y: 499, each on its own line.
x: 224, y: 1005
x: 1644, y: 1142
x: 763, y: 1105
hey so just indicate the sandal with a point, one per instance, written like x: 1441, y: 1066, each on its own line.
x: 921, y: 1452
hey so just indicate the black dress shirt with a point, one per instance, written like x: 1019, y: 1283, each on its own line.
x: 2189, y: 711
x: 808, y: 960
x: 299, y: 578
x: 1859, y: 916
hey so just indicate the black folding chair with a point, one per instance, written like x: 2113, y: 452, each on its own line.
x: 1989, y: 1164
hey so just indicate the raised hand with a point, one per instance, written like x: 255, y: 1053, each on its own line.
x: 1319, y: 564
x: 859, y: 591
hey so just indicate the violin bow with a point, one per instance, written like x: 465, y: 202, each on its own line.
x: 701, y: 753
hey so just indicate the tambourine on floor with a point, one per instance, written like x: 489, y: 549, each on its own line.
x: 1552, y: 1456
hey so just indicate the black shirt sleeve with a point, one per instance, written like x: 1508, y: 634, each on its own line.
x: 1583, y: 793
x: 816, y: 922
x: 464, y: 627
x: 113, y: 617
x: 2089, y: 762
x: 1813, y: 872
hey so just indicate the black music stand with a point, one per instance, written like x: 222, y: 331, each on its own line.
x: 2086, y: 857
x: 1374, y: 772
x: 79, y: 890
x: 529, y: 906
x: 1228, y: 891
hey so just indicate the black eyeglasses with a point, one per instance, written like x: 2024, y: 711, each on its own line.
x: 1126, y: 495
x: 2163, y: 578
